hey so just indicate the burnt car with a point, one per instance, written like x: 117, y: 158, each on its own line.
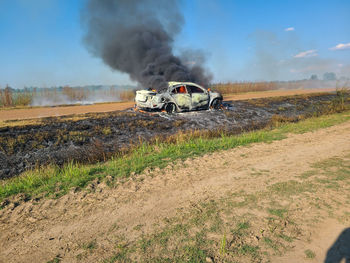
x: 178, y: 97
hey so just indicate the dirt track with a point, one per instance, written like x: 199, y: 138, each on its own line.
x: 38, y: 232
x: 30, y: 113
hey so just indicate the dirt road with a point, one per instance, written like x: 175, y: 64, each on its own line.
x: 38, y: 231
x: 30, y: 113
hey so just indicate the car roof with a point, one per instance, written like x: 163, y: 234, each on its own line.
x: 174, y: 83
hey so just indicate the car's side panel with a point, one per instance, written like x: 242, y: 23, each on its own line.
x: 213, y: 96
x: 200, y: 97
x: 199, y: 100
x: 183, y: 101
x: 181, y: 97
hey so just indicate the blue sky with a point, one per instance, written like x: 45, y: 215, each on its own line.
x: 41, y: 41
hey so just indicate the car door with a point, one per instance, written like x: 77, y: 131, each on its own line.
x: 182, y: 97
x: 199, y: 97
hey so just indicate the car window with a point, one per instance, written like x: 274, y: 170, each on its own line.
x: 179, y: 90
x: 194, y: 89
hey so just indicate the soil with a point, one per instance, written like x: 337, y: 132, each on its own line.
x: 98, y: 136
x: 324, y: 236
x: 40, y: 230
x: 40, y: 112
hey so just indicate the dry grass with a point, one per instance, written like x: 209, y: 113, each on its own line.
x: 127, y: 95
x: 243, y: 87
x: 75, y: 94
x: 10, y: 98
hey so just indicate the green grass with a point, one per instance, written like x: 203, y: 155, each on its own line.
x: 189, y: 242
x: 90, y: 245
x: 292, y: 187
x: 54, y: 181
x: 249, y: 250
x: 309, y: 254
x: 333, y: 172
x: 242, y: 226
x: 286, y: 238
x: 278, y: 212
x: 55, y: 260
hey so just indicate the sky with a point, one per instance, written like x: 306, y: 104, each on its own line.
x: 243, y: 40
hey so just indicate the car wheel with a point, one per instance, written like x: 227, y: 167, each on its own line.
x: 216, y: 104
x: 170, y: 108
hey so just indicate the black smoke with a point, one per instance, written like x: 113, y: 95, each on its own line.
x: 136, y: 37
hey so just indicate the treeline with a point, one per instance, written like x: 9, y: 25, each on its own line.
x: 10, y: 97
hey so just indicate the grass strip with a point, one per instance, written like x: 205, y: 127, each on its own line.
x: 55, y: 181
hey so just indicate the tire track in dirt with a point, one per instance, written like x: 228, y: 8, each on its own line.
x: 39, y: 231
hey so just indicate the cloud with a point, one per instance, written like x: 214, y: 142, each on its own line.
x: 289, y: 29
x: 281, y: 61
x: 306, y: 54
x: 341, y: 46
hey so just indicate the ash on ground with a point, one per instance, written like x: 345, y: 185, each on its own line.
x: 98, y: 136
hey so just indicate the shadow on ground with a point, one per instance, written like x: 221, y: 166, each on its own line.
x: 340, y: 250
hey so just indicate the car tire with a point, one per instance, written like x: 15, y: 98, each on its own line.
x: 216, y: 104
x: 170, y: 108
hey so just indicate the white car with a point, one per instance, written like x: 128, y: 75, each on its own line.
x: 179, y: 96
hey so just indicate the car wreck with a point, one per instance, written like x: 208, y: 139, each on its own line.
x: 178, y: 97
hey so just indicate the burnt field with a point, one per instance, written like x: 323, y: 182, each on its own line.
x: 98, y: 136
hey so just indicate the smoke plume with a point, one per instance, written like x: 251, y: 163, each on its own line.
x: 136, y: 37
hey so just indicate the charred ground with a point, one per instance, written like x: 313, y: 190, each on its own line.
x: 98, y: 136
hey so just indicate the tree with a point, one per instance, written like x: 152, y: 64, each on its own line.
x: 329, y: 76
x: 7, y: 96
x: 314, y: 77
